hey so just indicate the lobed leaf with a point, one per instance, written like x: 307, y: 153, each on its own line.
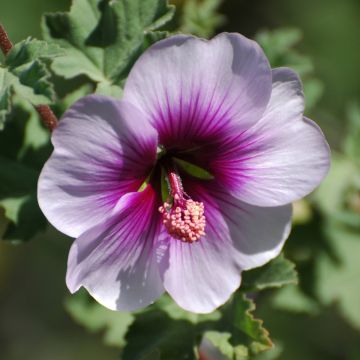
x: 275, y: 274
x: 25, y: 73
x: 102, y: 38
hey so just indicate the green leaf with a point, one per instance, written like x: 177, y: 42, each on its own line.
x: 221, y: 342
x: 275, y: 274
x: 201, y: 18
x: 95, y: 318
x: 352, y: 142
x: 102, y: 38
x: 26, y: 74
x: 193, y: 170
x: 5, y: 95
x: 26, y: 62
x: 337, y: 280
x: 72, y: 97
x: 338, y: 196
x: 154, y: 334
x: 244, y: 323
x: 291, y: 298
x: 24, y: 147
x: 313, y: 89
x: 167, y: 305
x: 30, y: 50
x: 280, y: 47
x: 245, y: 330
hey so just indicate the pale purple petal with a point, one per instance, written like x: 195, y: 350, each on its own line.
x: 103, y: 148
x: 201, y: 276
x: 282, y: 158
x: 115, y: 261
x: 193, y: 88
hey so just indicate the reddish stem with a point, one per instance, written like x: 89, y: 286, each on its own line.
x: 5, y: 43
x: 47, y: 116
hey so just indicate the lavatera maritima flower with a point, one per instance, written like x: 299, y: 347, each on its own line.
x: 215, y: 105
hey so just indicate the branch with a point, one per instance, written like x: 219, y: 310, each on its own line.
x: 46, y: 114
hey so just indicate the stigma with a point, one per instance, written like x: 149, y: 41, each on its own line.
x: 182, y: 217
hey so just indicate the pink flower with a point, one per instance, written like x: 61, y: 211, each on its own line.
x: 216, y: 104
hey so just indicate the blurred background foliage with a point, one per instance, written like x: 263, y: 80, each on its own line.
x: 318, y: 319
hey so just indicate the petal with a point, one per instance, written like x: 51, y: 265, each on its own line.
x: 115, y: 261
x: 282, y: 158
x: 202, y: 276
x: 194, y: 88
x: 103, y: 148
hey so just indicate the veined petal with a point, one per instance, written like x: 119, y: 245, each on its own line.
x: 194, y: 88
x: 103, y: 148
x: 115, y: 261
x: 282, y: 158
x: 201, y: 276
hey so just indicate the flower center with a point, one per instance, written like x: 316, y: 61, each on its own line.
x: 183, y: 217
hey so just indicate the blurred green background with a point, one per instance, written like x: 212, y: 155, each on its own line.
x: 312, y: 325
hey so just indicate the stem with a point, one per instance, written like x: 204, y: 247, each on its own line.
x: 46, y: 114
x: 5, y: 43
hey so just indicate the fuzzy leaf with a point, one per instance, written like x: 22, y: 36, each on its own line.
x: 26, y: 62
x: 29, y: 50
x: 102, y: 38
x: 26, y: 74
x: 275, y: 274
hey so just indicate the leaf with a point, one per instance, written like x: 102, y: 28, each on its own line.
x: 313, y: 89
x: 5, y: 96
x: 201, y: 17
x: 193, y: 170
x: 26, y: 74
x: 352, y: 141
x: 24, y: 146
x: 339, y: 194
x: 219, y: 341
x: 337, y: 281
x: 291, y: 298
x: 94, y: 317
x: 167, y: 305
x: 155, y: 335
x: 244, y: 323
x: 280, y: 47
x: 278, y: 43
x: 275, y: 274
x: 102, y: 38
x: 26, y: 62
x: 246, y: 331
x: 30, y: 50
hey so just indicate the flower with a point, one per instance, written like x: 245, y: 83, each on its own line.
x: 216, y: 105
